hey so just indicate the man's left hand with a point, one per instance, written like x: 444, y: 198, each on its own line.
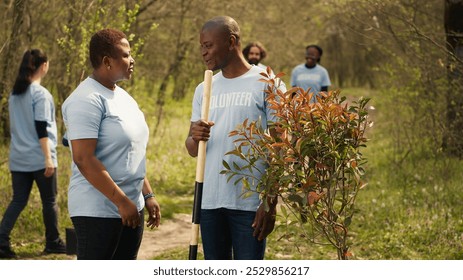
x: 264, y: 222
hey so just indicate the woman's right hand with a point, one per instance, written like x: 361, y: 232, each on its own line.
x: 49, y: 167
x: 129, y: 213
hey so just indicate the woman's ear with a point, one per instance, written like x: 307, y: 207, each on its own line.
x: 44, y: 68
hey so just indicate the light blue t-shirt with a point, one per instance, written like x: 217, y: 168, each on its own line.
x: 232, y: 101
x: 36, y: 104
x: 314, y: 78
x: 113, y: 117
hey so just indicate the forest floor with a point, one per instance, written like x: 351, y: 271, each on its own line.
x: 171, y: 234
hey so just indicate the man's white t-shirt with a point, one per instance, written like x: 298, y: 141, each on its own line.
x: 232, y: 101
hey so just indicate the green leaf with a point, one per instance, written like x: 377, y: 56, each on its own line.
x: 247, y: 194
x: 225, y: 164
x: 295, y: 198
x: 246, y: 184
x: 347, y: 221
x: 230, y: 177
x: 283, y: 211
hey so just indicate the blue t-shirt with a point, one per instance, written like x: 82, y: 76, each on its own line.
x: 36, y: 104
x: 314, y: 78
x: 232, y: 101
x: 113, y: 117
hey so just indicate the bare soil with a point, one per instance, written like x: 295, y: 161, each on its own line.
x: 171, y: 234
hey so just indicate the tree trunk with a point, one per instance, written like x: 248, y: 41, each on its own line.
x: 174, y: 73
x: 453, y: 22
x: 11, y: 47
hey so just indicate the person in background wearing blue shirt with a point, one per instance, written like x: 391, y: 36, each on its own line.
x: 32, y: 155
x: 311, y: 75
x: 108, y: 135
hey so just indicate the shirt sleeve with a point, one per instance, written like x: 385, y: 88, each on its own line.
x: 41, y: 129
x: 197, y: 103
x: 42, y: 106
x: 270, y: 113
x: 292, y: 81
x: 326, y: 79
x: 83, y: 117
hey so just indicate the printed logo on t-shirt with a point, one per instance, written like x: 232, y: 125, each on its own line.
x: 308, y: 77
x: 231, y: 99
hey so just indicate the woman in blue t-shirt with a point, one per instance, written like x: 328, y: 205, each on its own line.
x: 32, y: 155
x: 311, y: 75
x: 108, y: 135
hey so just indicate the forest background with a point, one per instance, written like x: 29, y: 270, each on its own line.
x: 403, y: 54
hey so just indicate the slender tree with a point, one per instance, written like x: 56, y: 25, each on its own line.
x: 11, y: 46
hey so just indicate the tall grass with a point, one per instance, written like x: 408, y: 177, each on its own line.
x: 411, y: 209
x: 28, y: 235
x: 169, y: 167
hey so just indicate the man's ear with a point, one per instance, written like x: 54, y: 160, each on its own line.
x: 232, y: 41
x: 106, y: 62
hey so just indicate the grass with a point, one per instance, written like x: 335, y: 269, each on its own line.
x: 177, y: 254
x: 410, y: 210
x: 28, y: 235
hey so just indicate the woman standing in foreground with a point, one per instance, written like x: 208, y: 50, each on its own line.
x: 32, y: 155
x: 108, y: 136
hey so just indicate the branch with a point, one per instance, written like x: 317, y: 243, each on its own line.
x: 145, y: 7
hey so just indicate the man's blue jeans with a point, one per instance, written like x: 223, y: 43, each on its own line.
x: 22, y: 186
x: 227, y: 234
x: 106, y: 238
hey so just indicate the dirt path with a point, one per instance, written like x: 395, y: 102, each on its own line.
x: 171, y: 234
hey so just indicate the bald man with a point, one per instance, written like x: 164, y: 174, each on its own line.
x: 232, y: 227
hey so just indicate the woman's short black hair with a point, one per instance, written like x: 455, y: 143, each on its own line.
x: 103, y: 43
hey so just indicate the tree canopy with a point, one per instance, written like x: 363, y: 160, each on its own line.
x: 397, y: 45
